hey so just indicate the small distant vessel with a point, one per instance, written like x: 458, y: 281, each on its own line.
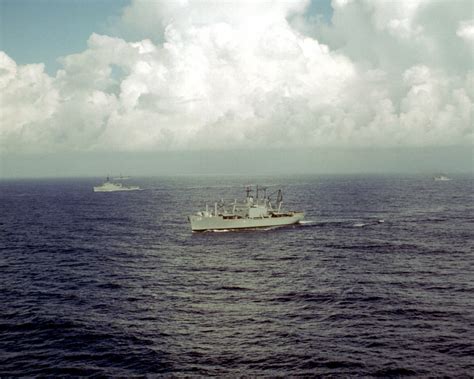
x: 121, y: 177
x: 441, y: 178
x: 251, y: 214
x: 109, y: 186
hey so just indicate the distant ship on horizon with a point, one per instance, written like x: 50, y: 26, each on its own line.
x: 441, y: 178
x: 109, y: 186
x: 121, y: 177
x: 251, y: 214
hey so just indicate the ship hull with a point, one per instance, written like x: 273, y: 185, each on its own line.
x: 98, y: 189
x: 202, y: 223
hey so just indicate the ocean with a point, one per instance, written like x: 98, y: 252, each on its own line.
x: 378, y: 280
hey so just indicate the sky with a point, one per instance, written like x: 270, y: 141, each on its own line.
x: 193, y: 86
x: 41, y: 31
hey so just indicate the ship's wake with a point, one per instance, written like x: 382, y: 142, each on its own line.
x: 351, y: 223
x: 306, y: 222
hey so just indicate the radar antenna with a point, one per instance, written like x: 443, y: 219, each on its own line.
x: 280, y: 196
x: 248, y: 190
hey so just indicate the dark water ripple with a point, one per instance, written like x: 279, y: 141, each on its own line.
x: 379, y: 282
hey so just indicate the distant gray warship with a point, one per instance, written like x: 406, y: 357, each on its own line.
x: 441, y: 178
x: 109, y: 186
x: 253, y: 213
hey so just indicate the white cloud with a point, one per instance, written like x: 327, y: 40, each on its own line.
x: 466, y: 30
x: 27, y: 98
x: 221, y: 74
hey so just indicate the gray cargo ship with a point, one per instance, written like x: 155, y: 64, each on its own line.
x: 251, y: 214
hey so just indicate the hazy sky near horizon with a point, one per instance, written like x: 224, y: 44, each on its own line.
x: 92, y: 77
x: 428, y: 161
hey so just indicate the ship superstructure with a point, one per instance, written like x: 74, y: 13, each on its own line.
x: 252, y: 213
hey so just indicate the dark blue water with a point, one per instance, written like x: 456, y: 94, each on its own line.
x: 116, y: 284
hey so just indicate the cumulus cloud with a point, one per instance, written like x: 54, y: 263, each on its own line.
x: 28, y: 98
x: 466, y: 30
x: 251, y: 74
